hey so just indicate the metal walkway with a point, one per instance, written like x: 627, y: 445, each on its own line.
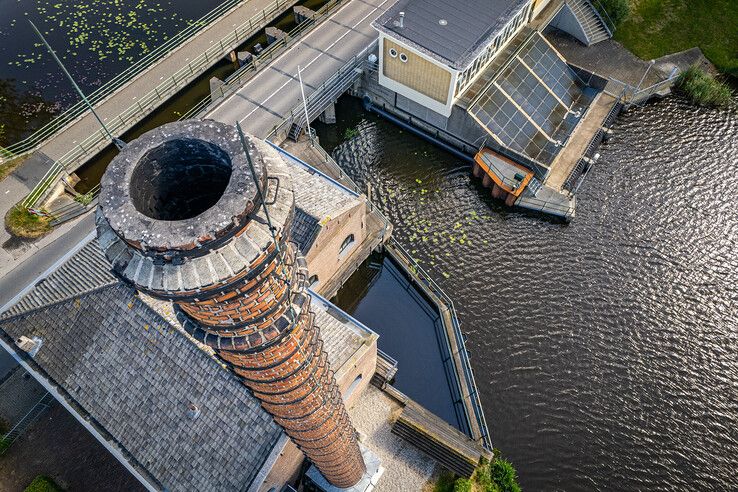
x: 267, y: 100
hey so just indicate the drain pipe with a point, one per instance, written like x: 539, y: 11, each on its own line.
x: 416, y: 131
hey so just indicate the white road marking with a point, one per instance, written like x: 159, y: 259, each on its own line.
x: 305, y: 66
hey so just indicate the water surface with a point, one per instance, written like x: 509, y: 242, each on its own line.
x: 606, y: 350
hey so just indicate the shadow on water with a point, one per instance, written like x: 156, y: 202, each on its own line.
x: 379, y: 295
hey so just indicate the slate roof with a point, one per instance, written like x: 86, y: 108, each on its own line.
x: 470, y: 26
x: 117, y: 359
x: 86, y: 270
x: 316, y: 201
x: 121, y: 363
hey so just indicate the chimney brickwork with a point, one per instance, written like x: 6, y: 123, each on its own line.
x: 180, y: 219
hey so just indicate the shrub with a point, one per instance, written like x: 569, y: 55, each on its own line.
x: 445, y: 483
x: 43, y: 484
x: 21, y: 223
x: 504, y: 475
x: 703, y: 89
x: 350, y: 133
x: 617, y: 10
x: 463, y: 485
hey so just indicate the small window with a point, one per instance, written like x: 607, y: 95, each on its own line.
x: 403, y: 57
x: 346, y: 243
x: 393, y: 53
x: 313, y: 281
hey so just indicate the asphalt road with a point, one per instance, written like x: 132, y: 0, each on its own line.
x: 28, y: 272
x: 265, y: 100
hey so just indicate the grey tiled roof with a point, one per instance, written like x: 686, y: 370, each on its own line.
x: 86, y: 270
x: 316, y: 199
x: 470, y: 26
x: 342, y: 337
x: 135, y: 374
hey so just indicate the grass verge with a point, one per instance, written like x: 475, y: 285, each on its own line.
x: 43, y: 484
x: 21, y: 223
x: 703, y: 89
x: 497, y: 476
x: 8, y: 167
x: 656, y: 28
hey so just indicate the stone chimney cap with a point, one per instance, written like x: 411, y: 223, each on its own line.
x: 180, y: 186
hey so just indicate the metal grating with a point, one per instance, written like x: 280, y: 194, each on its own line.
x: 534, y: 103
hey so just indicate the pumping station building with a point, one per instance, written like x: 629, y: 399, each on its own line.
x: 481, y: 76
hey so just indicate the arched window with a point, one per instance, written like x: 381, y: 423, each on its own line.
x: 313, y: 281
x: 346, y: 244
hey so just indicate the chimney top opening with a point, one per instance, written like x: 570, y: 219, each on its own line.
x: 180, y: 179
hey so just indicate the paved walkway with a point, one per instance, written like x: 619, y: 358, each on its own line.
x: 145, y: 82
x: 266, y: 100
x: 577, y: 145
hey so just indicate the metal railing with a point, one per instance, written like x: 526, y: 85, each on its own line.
x: 634, y: 94
x: 236, y: 80
x: 77, y: 110
x: 422, y: 276
x: 350, y: 71
x: 98, y: 139
x: 601, y: 12
x: 29, y: 418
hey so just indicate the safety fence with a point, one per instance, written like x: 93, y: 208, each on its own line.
x: 98, y: 140
x: 77, y: 110
x: 257, y: 62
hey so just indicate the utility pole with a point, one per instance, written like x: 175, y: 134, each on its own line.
x: 120, y: 144
x: 304, y: 105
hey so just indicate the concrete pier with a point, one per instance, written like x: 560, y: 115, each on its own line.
x: 329, y: 115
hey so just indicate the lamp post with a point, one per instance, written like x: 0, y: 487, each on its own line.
x: 304, y: 105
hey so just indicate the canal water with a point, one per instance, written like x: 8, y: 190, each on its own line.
x: 96, y: 39
x: 605, y: 350
x: 380, y: 295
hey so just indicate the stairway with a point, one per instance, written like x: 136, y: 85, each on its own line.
x: 594, y: 26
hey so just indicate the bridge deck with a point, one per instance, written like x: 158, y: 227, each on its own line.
x: 126, y: 96
x: 266, y: 100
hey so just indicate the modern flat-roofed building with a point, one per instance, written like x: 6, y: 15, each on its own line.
x: 432, y: 50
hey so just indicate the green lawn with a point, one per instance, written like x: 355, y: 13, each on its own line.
x: 660, y: 27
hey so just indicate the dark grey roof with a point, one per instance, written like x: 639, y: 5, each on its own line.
x: 86, y: 270
x: 317, y: 199
x: 470, y: 25
x: 121, y: 363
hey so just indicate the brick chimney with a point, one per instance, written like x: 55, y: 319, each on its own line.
x: 181, y: 220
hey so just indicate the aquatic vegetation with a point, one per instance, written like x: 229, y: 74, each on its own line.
x: 703, y: 89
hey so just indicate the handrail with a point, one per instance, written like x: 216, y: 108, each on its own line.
x: 80, y: 108
x: 99, y: 140
x: 297, y: 112
x: 420, y: 274
x: 236, y: 80
x: 600, y: 9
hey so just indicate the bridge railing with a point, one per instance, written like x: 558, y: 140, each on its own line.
x: 77, y: 110
x: 297, y: 113
x: 236, y: 80
x: 98, y: 140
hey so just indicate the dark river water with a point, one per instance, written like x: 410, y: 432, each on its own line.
x: 605, y: 350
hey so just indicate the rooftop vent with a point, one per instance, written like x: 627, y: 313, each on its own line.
x: 29, y: 345
x: 443, y: 22
x: 193, y: 411
x: 401, y: 21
